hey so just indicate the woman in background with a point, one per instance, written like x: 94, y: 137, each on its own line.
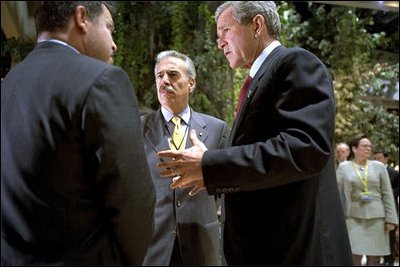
x: 368, y: 203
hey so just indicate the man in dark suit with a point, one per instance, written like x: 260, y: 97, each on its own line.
x: 282, y: 205
x: 383, y: 157
x: 75, y: 184
x: 186, y: 229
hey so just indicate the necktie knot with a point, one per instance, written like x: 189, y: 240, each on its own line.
x: 176, y: 120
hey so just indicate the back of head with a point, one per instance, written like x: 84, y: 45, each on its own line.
x: 54, y: 15
x: 245, y: 11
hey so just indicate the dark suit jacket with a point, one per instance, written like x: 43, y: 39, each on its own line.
x: 75, y: 184
x: 284, y: 206
x: 394, y: 181
x: 194, y: 217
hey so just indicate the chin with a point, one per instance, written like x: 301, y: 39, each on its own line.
x: 235, y: 64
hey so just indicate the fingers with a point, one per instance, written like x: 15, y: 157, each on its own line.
x: 170, y: 164
x: 195, y: 141
x: 195, y: 190
x: 178, y: 182
x: 175, y: 182
x: 193, y: 137
x: 168, y: 154
x: 169, y: 172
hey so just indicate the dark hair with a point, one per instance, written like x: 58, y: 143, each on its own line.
x: 54, y: 15
x: 354, y: 143
x: 384, y: 153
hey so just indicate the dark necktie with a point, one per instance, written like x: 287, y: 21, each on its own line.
x: 243, y: 92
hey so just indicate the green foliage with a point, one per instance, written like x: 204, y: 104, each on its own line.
x: 147, y: 28
x: 340, y: 39
x: 16, y: 48
x: 291, y: 28
x: 362, y: 75
x: 138, y: 40
x: 337, y: 35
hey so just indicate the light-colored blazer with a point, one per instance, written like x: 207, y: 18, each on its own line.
x: 350, y: 186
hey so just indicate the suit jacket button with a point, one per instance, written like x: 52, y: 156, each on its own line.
x: 178, y: 203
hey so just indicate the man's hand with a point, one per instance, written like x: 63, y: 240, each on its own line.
x: 184, y: 165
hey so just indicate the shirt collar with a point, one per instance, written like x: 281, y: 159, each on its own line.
x: 257, y: 63
x: 185, y: 114
x: 61, y: 43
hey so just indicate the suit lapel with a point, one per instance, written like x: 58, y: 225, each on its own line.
x: 156, y: 135
x: 200, y: 126
x: 265, y: 67
x: 155, y: 132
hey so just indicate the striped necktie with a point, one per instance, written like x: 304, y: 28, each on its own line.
x: 178, y: 136
x: 243, y: 92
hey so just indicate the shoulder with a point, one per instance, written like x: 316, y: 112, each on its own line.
x: 391, y: 170
x: 300, y: 55
x: 208, y: 118
x: 98, y: 66
x: 146, y: 115
x: 72, y: 58
x: 345, y: 164
x: 377, y: 165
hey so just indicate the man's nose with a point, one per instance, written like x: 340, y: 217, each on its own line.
x: 114, y: 47
x: 165, y: 79
x: 220, y: 44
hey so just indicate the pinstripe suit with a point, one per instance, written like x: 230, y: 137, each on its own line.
x: 195, y: 218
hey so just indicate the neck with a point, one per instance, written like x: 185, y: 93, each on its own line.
x: 361, y: 162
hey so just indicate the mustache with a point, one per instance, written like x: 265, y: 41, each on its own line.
x: 168, y: 88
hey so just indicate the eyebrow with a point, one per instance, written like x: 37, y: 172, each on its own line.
x: 111, y: 24
x: 168, y: 71
x: 223, y: 26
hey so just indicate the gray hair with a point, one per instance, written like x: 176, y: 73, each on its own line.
x: 244, y: 12
x: 189, y: 66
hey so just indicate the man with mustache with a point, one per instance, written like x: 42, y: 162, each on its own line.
x: 186, y: 228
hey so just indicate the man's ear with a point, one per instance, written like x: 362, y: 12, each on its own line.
x: 192, y: 86
x: 258, y: 24
x: 81, y: 18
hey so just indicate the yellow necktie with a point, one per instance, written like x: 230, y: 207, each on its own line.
x: 178, y: 136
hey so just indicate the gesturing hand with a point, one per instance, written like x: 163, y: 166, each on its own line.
x: 185, y: 165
